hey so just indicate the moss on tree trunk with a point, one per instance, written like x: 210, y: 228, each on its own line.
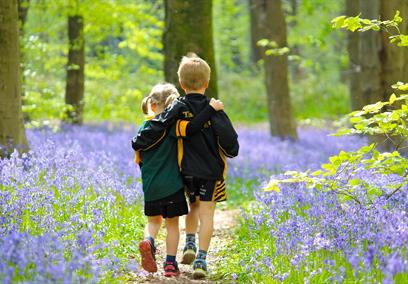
x: 188, y: 28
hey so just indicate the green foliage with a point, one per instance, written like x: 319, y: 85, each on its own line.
x: 317, y: 61
x: 359, y: 24
x: 343, y: 173
x: 123, y: 57
x: 232, y: 35
x: 273, y: 48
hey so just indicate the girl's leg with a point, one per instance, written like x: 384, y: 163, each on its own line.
x: 172, y: 240
x: 173, y: 235
x: 153, y: 226
x: 146, y: 247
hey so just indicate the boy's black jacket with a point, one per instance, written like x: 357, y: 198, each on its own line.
x: 202, y: 154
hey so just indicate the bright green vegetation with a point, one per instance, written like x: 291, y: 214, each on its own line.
x: 124, y: 60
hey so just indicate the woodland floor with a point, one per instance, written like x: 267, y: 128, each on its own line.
x: 224, y: 224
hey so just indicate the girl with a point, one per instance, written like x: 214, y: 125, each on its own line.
x: 162, y: 182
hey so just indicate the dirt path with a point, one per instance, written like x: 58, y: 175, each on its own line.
x: 224, y: 223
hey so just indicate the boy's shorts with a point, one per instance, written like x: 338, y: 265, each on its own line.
x: 207, y: 190
x: 171, y: 206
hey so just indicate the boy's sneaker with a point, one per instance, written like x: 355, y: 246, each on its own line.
x: 171, y: 269
x: 199, y: 269
x: 189, y: 253
x: 148, y: 253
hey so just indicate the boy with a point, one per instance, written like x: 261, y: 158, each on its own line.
x: 201, y: 156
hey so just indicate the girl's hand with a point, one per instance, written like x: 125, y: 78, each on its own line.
x: 216, y: 104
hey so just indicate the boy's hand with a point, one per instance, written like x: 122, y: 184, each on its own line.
x: 216, y: 104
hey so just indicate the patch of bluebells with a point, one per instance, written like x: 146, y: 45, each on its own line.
x: 60, y: 202
x: 302, y: 231
x: 260, y: 154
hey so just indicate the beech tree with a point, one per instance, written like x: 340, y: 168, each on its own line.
x: 12, y: 132
x: 188, y: 28
x: 272, y: 27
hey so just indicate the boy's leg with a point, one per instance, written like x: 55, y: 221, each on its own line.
x: 192, y: 217
x: 190, y: 247
x: 146, y: 247
x: 172, y: 240
x: 206, y: 216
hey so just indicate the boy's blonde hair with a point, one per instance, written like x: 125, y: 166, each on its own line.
x: 193, y: 72
x: 161, y: 94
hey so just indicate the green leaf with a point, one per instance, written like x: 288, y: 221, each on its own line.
x: 352, y: 23
x: 262, y: 42
x: 373, y: 108
x: 397, y: 18
x: 354, y: 182
x: 393, y: 98
x: 338, y: 22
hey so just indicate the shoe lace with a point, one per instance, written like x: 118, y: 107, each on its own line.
x: 170, y: 266
x: 200, y: 263
x: 190, y: 245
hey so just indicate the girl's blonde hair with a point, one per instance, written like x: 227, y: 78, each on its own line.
x: 145, y: 105
x: 162, y: 95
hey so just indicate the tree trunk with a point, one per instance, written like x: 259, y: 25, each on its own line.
x: 372, y: 88
x: 12, y: 133
x: 74, y: 91
x: 353, y: 43
x: 281, y: 120
x: 392, y: 56
x: 188, y: 28
x: 255, y: 12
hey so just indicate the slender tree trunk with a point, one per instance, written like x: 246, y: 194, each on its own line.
x: 281, y: 120
x: 353, y: 43
x: 74, y: 91
x: 188, y: 28
x: 12, y: 133
x: 255, y: 12
x: 370, y: 44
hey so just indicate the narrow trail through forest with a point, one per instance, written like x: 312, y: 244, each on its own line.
x: 224, y: 225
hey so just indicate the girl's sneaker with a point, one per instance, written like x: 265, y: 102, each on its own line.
x: 189, y: 253
x: 199, y: 269
x: 148, y: 253
x: 171, y: 269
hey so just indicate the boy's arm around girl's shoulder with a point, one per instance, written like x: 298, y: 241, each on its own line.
x: 156, y: 129
x: 227, y: 136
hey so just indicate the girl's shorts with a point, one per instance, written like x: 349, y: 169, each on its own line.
x: 171, y: 206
